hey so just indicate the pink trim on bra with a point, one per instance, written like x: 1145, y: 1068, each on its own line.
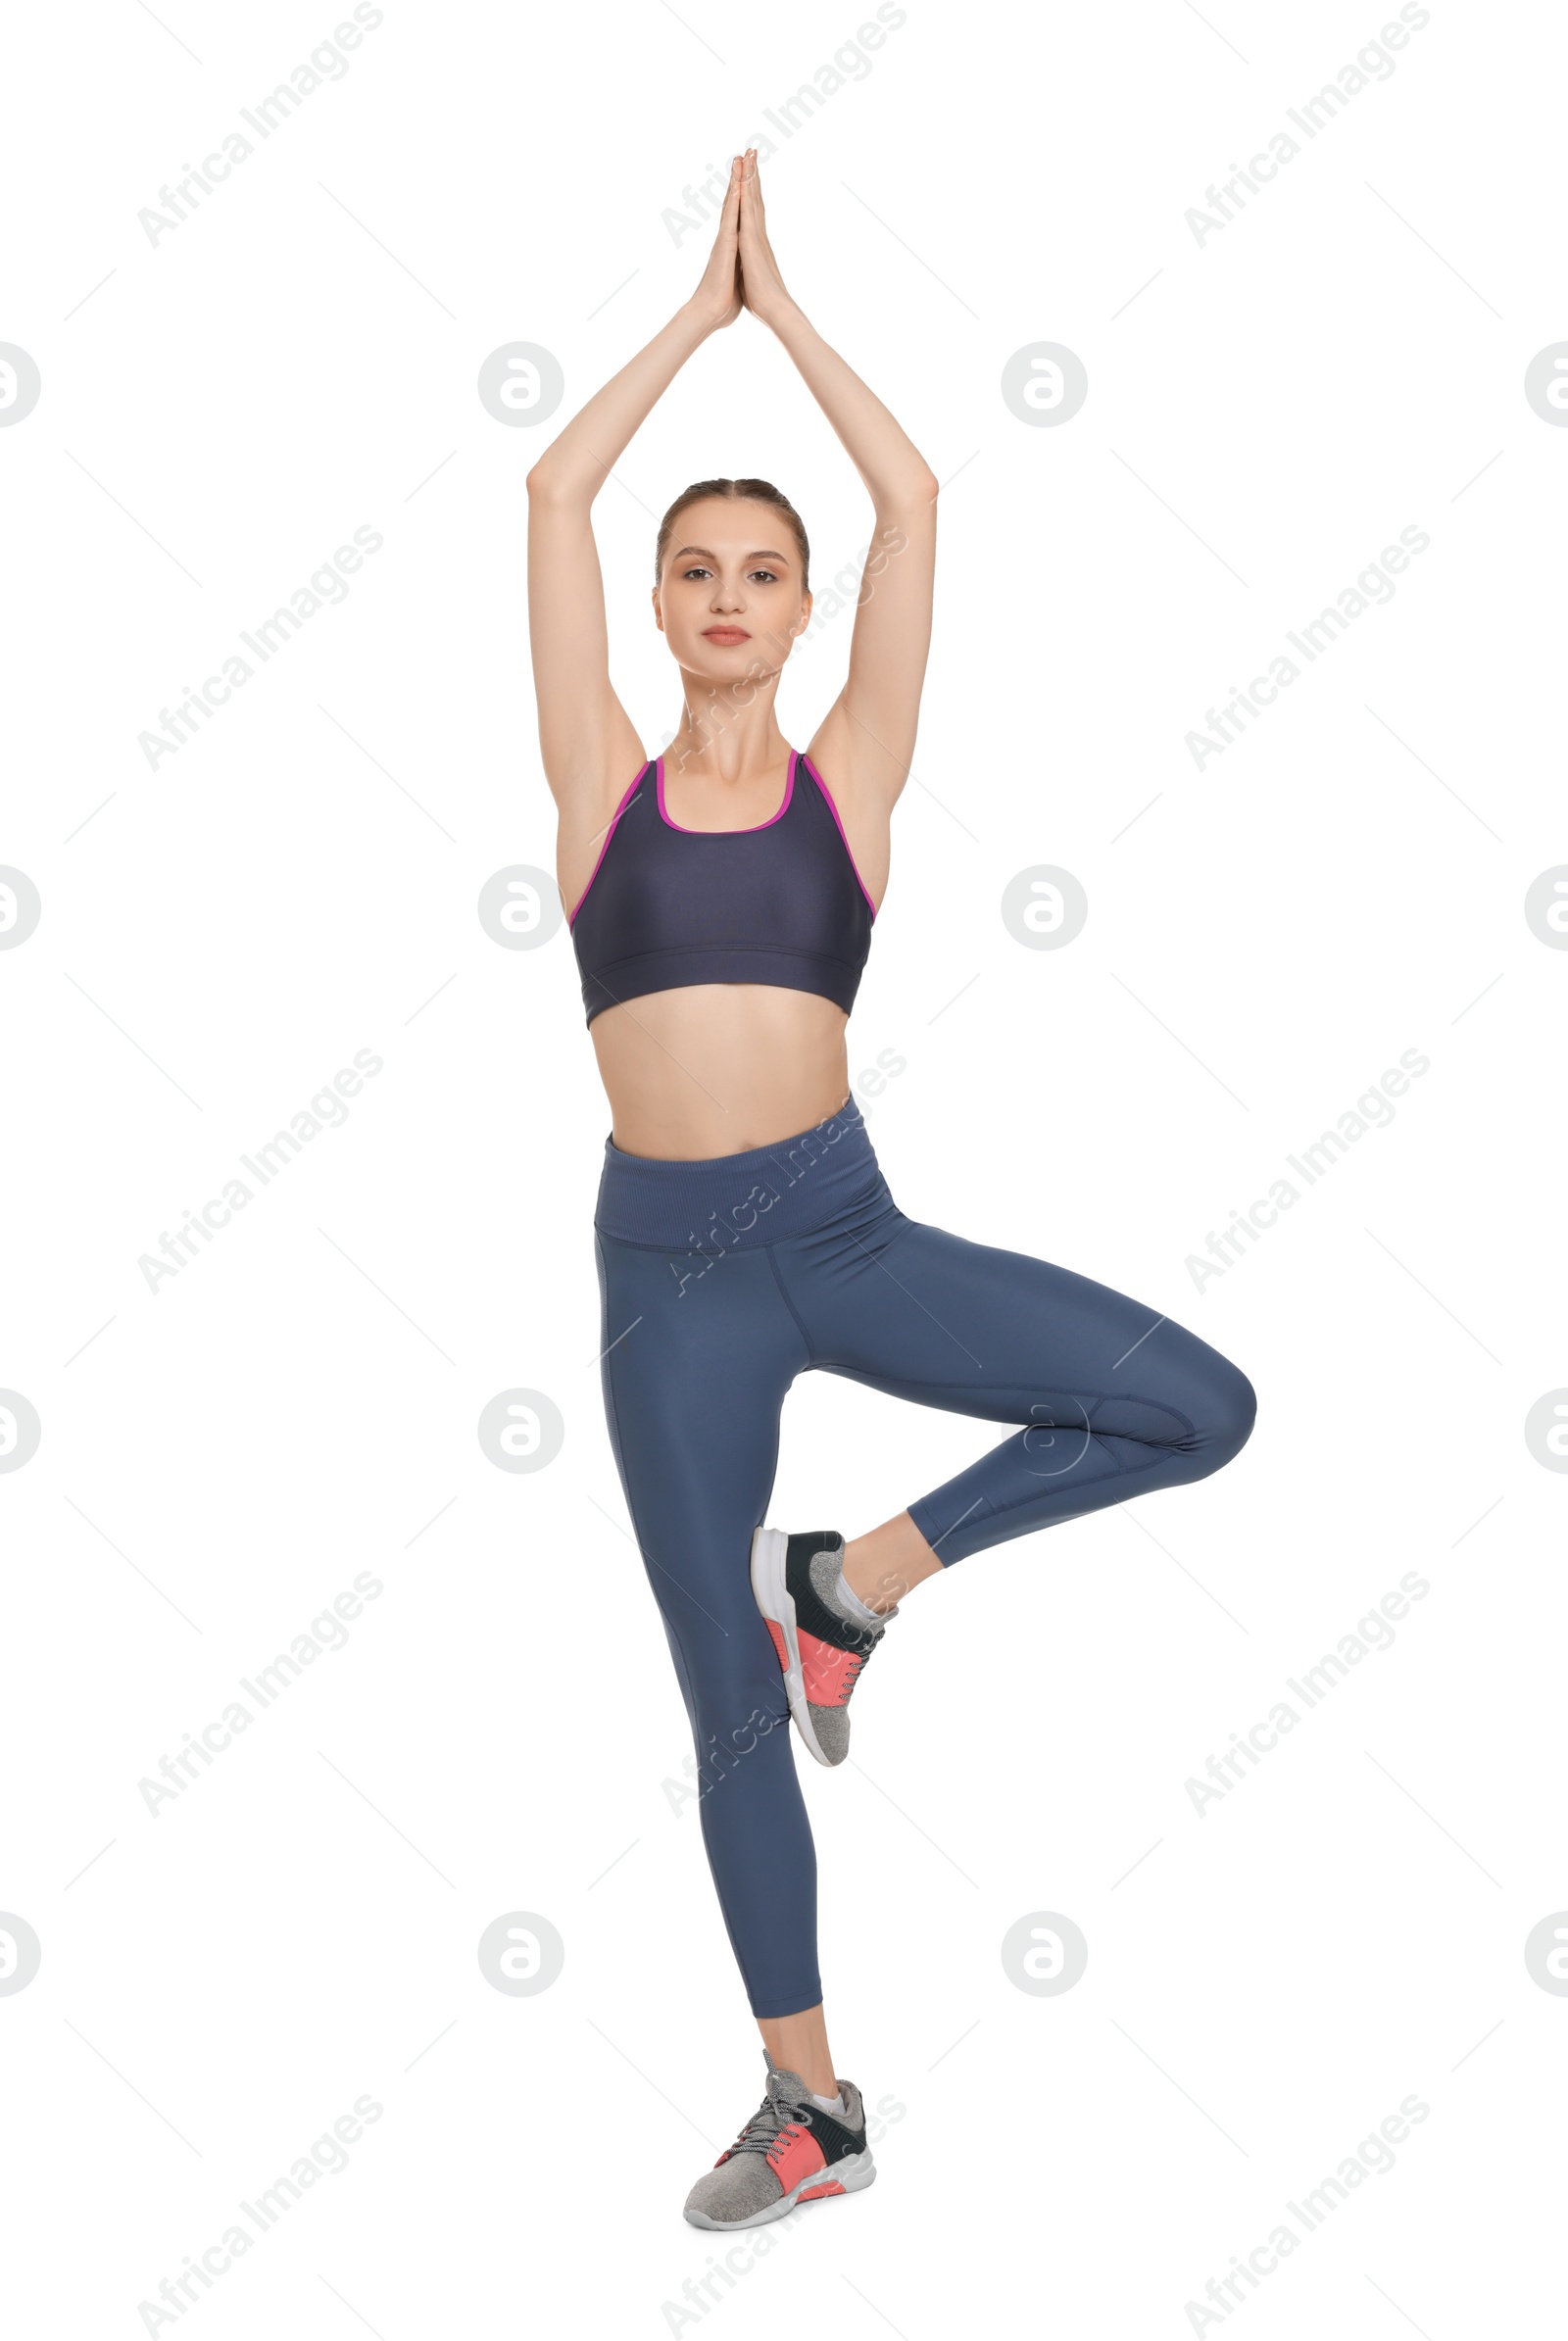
x: 827, y: 797
x: 789, y: 791
x: 605, y: 848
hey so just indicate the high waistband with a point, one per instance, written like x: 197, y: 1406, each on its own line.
x: 739, y: 1199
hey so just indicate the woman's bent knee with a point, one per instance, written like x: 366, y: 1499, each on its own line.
x: 1229, y: 1412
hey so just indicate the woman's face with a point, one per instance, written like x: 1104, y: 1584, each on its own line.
x: 730, y: 603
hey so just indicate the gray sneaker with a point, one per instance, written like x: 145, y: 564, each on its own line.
x: 789, y: 2152
x: 821, y: 1652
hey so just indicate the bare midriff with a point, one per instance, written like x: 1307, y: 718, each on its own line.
x: 719, y: 1068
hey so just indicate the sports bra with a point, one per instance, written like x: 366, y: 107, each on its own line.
x: 781, y: 903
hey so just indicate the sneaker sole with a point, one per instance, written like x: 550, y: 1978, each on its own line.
x: 846, y: 2177
x: 769, y: 1551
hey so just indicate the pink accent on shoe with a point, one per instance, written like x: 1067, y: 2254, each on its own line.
x: 827, y: 798
x: 779, y: 1643
x: 795, y: 2154
x: 813, y: 2193
x: 827, y: 1672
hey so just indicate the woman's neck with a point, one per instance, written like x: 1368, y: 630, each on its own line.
x: 724, y: 744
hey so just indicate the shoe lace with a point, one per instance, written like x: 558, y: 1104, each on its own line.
x: 764, y: 2129
x: 852, y: 1672
x: 858, y: 1660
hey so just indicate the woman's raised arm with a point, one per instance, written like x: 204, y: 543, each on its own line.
x: 588, y: 743
x: 866, y: 739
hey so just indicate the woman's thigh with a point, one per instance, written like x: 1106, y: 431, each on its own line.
x: 1110, y: 1398
x: 696, y: 1365
x: 977, y: 1330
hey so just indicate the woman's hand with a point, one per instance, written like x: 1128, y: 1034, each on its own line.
x: 718, y: 298
x: 761, y: 286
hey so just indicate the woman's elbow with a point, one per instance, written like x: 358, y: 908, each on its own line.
x: 916, y: 492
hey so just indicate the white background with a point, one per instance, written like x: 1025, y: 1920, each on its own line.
x: 1266, y: 411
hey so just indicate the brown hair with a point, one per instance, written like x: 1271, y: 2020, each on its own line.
x: 758, y: 491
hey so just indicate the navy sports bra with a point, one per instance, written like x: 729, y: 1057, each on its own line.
x: 781, y: 903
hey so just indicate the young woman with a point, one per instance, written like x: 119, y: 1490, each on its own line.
x: 721, y: 899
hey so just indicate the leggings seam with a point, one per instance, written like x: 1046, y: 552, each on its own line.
x: 996, y: 1511
x: 906, y: 1381
x: 614, y: 1423
x: 683, y: 1251
x: 810, y: 1353
x: 1126, y: 1470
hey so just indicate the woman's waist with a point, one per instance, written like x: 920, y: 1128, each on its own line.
x: 713, y: 1070
x: 758, y: 1195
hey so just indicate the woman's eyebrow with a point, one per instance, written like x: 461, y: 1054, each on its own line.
x: 766, y: 554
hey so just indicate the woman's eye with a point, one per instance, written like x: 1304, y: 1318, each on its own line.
x: 697, y: 572
x: 765, y: 576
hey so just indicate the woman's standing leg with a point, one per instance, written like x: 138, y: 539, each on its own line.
x: 697, y: 1362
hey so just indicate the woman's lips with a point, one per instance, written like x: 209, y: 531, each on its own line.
x: 725, y: 634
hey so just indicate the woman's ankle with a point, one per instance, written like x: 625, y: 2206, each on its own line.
x: 888, y: 1563
x: 799, y: 2044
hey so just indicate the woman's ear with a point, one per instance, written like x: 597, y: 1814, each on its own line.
x: 805, y: 613
x: 657, y: 614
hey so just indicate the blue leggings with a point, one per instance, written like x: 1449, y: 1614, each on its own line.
x: 721, y: 1281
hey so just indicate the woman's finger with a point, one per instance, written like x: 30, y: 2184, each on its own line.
x: 729, y: 211
x: 730, y: 217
